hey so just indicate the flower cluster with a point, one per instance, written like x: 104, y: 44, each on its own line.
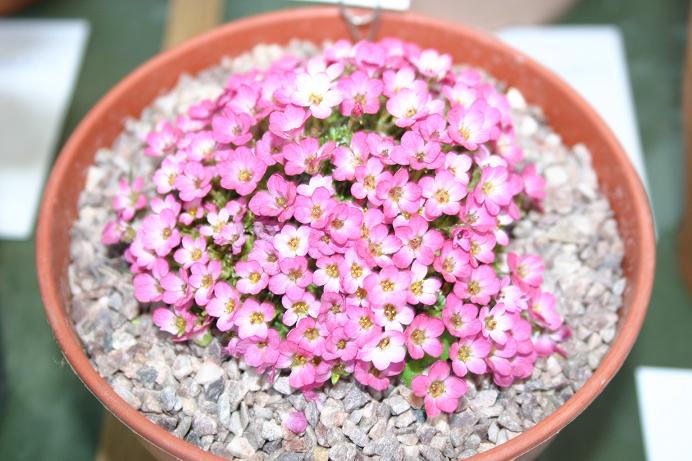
x: 346, y: 215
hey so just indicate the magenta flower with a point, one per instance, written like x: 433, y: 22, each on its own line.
x: 315, y: 92
x: 252, y: 278
x: 495, y: 323
x: 415, y: 151
x: 384, y: 349
x: 129, y: 198
x: 443, y: 194
x: 440, y: 390
x: 252, y: 318
x: 241, y: 171
x: 299, y: 305
x: 277, y: 200
x: 202, y: 280
x: 422, y: 337
x: 232, y: 127
x: 293, y: 276
x: 526, y: 270
x: 292, y: 241
x: 460, y: 319
x: 378, y: 246
x: 422, y: 289
x: 480, y: 286
x: 345, y: 223
x: 316, y: 209
x: 288, y: 124
x: 367, y: 374
x: 397, y: 193
x: 361, y: 94
x: 390, y: 285
x: 223, y: 305
x: 469, y: 355
x: 192, y: 251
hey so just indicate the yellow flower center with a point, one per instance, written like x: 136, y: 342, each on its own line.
x: 255, y: 277
x: 257, y: 318
x: 280, y: 201
x: 437, y: 388
x: 490, y: 322
x: 337, y: 224
x: 387, y: 285
x: 166, y: 232
x: 465, y: 133
x: 315, y: 98
x: 474, y: 288
x: 488, y: 188
x: 230, y: 306
x: 207, y: 280
x: 415, y: 243
x: 196, y: 254
x: 311, y: 334
x: 442, y: 196
x: 418, y: 336
x: 395, y: 193
x: 294, y: 274
x: 332, y: 270
x: 356, y: 270
x: 384, y: 343
x: 417, y: 287
x: 300, y: 308
x: 293, y: 243
x: 464, y: 353
x: 316, y: 211
x: 369, y: 182
x: 365, y: 323
x: 245, y: 175
x: 390, y: 312
x: 456, y: 321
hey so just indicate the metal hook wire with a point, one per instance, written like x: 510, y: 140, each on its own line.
x: 356, y: 21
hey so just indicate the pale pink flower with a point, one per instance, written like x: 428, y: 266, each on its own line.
x: 496, y: 188
x: 292, y: 241
x: 422, y: 289
x: 452, y: 263
x: 303, y: 156
x: 534, y: 183
x: 403, y: 78
x: 293, y: 276
x: 378, y: 245
x: 159, y: 232
x: 473, y: 126
x: 381, y: 147
x: 415, y: 151
x: 469, y: 355
x: 177, y: 323
x: 460, y: 319
x: 266, y: 255
x: 316, y: 209
x: 241, y: 171
x: 393, y: 316
x: 433, y: 64
x: 147, y: 285
x: 252, y: 318
x: 526, y: 270
x: 461, y: 94
x: 252, y: 278
x: 366, y: 179
x: 459, y: 165
x: 162, y: 141
x: 328, y: 273
x: 202, y: 280
x: 295, y: 422
x: 542, y: 309
x: 353, y: 271
x: 231, y: 127
x: 176, y: 289
x: 299, y: 305
x: 191, y: 212
x: 422, y: 337
x: 309, y: 335
x: 480, y: 286
x: 315, y: 92
x: 288, y: 124
x: 361, y: 94
x: 443, y: 194
x: 277, y: 200
x: 262, y: 353
x: 164, y: 178
x: 417, y: 242
x: 495, y: 323
x: 316, y: 181
x: 223, y: 305
x: 193, y: 250
x: 397, y: 193
x: 479, y: 246
x: 348, y: 159
x: 476, y: 216
x: 129, y: 198
x: 440, y: 390
x: 498, y: 360
x: 390, y: 285
x: 340, y: 345
x: 384, y: 349
x: 408, y: 105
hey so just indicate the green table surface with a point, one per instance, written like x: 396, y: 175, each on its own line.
x: 45, y: 411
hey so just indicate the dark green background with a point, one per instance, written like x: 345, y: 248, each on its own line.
x: 45, y: 411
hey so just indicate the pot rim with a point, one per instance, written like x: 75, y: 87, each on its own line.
x: 61, y: 324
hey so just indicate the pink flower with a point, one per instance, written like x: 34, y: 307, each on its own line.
x: 309, y: 335
x: 252, y: 278
x: 147, y: 286
x: 495, y: 323
x: 459, y: 165
x: 471, y: 127
x: 498, y: 360
x: 480, y: 286
x: 328, y: 274
x: 295, y: 422
x: 277, y: 200
x: 241, y: 171
x: 292, y: 241
x: 393, y: 316
x: 347, y: 160
x: 378, y: 246
x: 405, y: 77
x: 288, y: 124
x: 163, y: 141
x: 422, y: 289
x: 262, y: 353
x: 177, y: 323
x: 407, y: 106
x: 340, y: 345
x: 361, y: 94
x: 159, y: 232
x: 293, y: 276
x: 193, y: 251
x: 223, y: 305
x: 266, y: 255
x: 469, y: 355
x: 461, y: 94
x: 384, y: 349
x: 433, y: 64
x: 390, y: 285
x: 367, y: 374
x: 252, y: 318
x: 441, y: 391
x: 353, y: 271
x: 422, y: 337
x: 202, y: 280
x: 303, y: 370
x: 460, y: 319
x: 176, y: 289
x: 480, y: 246
x: 316, y: 181
x: 164, y: 178
x: 415, y: 151
x: 452, y: 263
x: 542, y: 309
x: 443, y: 194
x: 417, y: 242
x: 496, y: 188
x: 129, y: 198
x: 299, y: 305
x: 397, y: 193
x: 314, y: 210
x: 534, y: 183
x: 526, y: 270
x: 366, y: 179
x: 231, y: 127
x: 315, y: 92
x: 345, y: 223
x: 304, y: 156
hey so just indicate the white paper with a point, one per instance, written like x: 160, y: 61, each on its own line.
x: 591, y: 59
x: 400, y: 5
x: 39, y: 63
x: 665, y: 404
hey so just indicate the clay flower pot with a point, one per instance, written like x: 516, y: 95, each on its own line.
x: 566, y: 111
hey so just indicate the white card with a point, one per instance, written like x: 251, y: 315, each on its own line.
x: 665, y: 404
x: 39, y: 63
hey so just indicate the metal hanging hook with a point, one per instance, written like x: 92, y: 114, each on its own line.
x: 356, y: 21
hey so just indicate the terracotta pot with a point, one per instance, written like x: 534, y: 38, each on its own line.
x: 566, y: 111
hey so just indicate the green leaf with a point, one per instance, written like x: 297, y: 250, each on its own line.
x: 335, y: 377
x: 415, y: 367
x: 204, y: 340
